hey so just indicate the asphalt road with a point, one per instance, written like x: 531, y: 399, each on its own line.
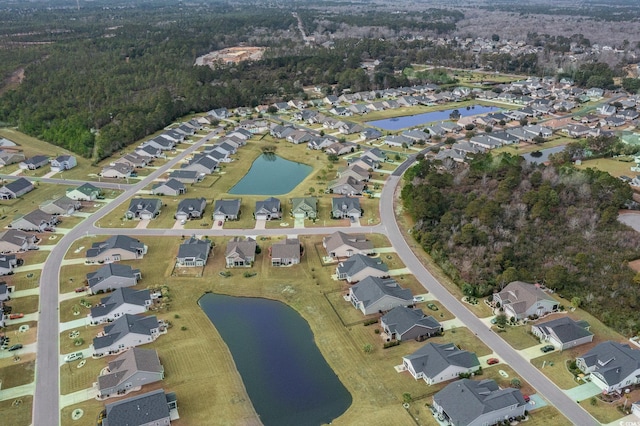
x: 47, y: 367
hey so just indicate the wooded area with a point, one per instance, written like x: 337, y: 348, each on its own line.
x: 500, y: 220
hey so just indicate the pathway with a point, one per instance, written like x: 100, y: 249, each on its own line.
x: 17, y: 391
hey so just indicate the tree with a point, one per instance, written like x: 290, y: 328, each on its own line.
x: 524, y: 121
x: 450, y: 140
x: 631, y: 85
x: 333, y: 158
x: 406, y: 397
x: 515, y: 382
x: 312, y: 190
x: 495, y: 37
x: 575, y: 302
x: 367, y: 348
x: 501, y: 320
x: 272, y: 109
x: 488, y: 129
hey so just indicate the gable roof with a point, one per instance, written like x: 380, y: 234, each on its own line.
x: 119, y: 297
x: 192, y: 204
x: 18, y: 185
x: 339, y: 238
x: 16, y: 236
x: 521, y: 296
x: 358, y: 262
x: 612, y: 361
x: 172, y: 183
x: 227, y: 207
x: 433, y: 358
x: 124, y: 325
x: 564, y: 329
x: 86, y: 189
x: 288, y: 248
x: 271, y: 205
x: 304, y: 203
x: 111, y: 270
x: 345, y: 204
x: 193, y: 247
x: 123, y: 242
x: 402, y: 319
x: 145, y: 204
x: 139, y: 410
x: 466, y: 400
x: 237, y: 248
x: 371, y: 289
x: 129, y: 363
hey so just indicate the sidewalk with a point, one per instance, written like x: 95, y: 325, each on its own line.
x: 79, y: 396
x: 80, y: 322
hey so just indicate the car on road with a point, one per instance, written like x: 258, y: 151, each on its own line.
x: 73, y: 356
x: 15, y: 347
x: 547, y: 348
x: 16, y: 316
x: 492, y: 361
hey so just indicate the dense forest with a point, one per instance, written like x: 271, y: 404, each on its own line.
x: 500, y: 220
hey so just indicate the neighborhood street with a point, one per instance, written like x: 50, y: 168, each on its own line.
x: 47, y: 365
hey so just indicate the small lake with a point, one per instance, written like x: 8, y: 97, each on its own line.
x: 287, y: 378
x: 271, y: 175
x: 398, y: 123
x: 545, y: 153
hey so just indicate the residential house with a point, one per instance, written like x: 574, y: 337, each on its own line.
x: 34, y: 162
x: 611, y: 366
x: 485, y: 142
x: 450, y: 155
x: 219, y: 113
x: 227, y: 209
x: 115, y: 249
x: 4, y: 294
x: 436, y: 363
x: 346, y: 207
x: 62, y: 206
x: 398, y: 140
x: 149, y: 151
x: 37, y: 221
x: 202, y: 164
x: 347, y: 185
x: 14, y: 240
x: 186, y: 176
x: 172, y: 187
x: 286, y: 252
x: 117, y: 171
x: 143, y: 208
x: 194, y: 252
x: 355, y: 171
x: 364, y: 162
x: 85, y: 192
x: 126, y: 332
x: 577, y: 130
x: 522, y: 300
x: 16, y: 188
x: 155, y: 408
x: 606, y: 109
x: 191, y: 208
x: 131, y: 370
x: 563, y: 333
x: 268, y: 209
x: 8, y: 157
x: 376, y: 154
x: 122, y: 301
x: 340, y: 148
x: 63, y: 162
x: 340, y: 245
x: 4, y: 142
x: 404, y: 323
x: 304, y: 207
x: 240, y: 253
x: 8, y: 262
x: 359, y: 266
x: 478, y: 403
x: 416, y: 135
x: 374, y: 294
x: 160, y: 143
x: 112, y: 276
x: 370, y: 134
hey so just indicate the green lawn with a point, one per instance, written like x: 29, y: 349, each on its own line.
x: 74, y: 379
x: 13, y: 209
x: 555, y: 367
x: 602, y: 411
x: 25, y: 305
x: 519, y: 337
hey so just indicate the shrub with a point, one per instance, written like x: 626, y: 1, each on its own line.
x: 369, y: 322
x: 391, y: 344
x: 183, y: 328
x: 377, y: 331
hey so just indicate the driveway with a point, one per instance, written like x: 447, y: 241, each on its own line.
x: 584, y: 391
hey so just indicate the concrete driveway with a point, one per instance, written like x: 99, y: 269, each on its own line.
x: 584, y: 391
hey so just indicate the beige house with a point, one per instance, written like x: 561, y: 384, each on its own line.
x: 115, y: 249
x: 340, y: 245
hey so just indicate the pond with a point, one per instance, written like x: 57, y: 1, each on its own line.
x: 398, y: 123
x: 271, y: 175
x: 287, y: 378
x: 543, y: 154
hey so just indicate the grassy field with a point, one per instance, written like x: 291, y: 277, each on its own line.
x: 13, y: 209
x: 613, y: 166
x: 25, y: 305
x: 376, y: 388
x: 602, y: 411
x: 23, y: 280
x: 25, y: 338
x: 15, y: 374
x: 73, y: 379
x: 17, y: 412
x: 519, y: 337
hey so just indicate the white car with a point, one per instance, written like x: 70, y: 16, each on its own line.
x: 418, y: 299
x: 73, y: 356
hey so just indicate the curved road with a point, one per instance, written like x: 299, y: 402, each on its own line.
x: 47, y: 361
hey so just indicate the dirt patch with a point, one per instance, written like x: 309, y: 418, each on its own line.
x: 635, y: 265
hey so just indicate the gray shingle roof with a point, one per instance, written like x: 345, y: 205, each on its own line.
x: 110, y: 270
x: 139, y: 410
x: 270, y: 205
x: 286, y: 249
x: 195, y: 248
x: 371, y: 289
x: 117, y: 241
x: 612, y: 360
x: 190, y: 205
x: 564, y: 328
x: 124, y: 325
x: 521, y: 296
x: 433, y: 358
x: 18, y: 185
x: 129, y: 363
x: 358, y: 262
x: 339, y: 238
x: 227, y: 207
x: 401, y: 319
x: 119, y: 297
x: 174, y: 184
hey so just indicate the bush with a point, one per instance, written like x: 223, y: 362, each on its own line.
x: 377, y: 331
x: 369, y: 322
x: 391, y: 344
x: 183, y: 328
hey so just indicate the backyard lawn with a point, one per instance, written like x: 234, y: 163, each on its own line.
x: 17, y: 412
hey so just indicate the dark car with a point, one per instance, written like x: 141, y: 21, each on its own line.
x: 527, y: 398
x: 15, y: 347
x: 547, y: 348
x: 492, y: 361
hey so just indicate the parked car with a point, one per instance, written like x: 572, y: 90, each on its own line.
x: 492, y: 361
x: 418, y: 299
x: 547, y: 348
x: 219, y: 223
x: 73, y: 356
x: 15, y: 316
x: 80, y: 289
x: 15, y: 347
x: 527, y: 398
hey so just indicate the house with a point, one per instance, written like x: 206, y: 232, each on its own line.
x: 10, y: 157
x: 161, y: 143
x: 186, y: 176
x: 126, y: 332
x: 85, y: 192
x: 16, y: 188
x: 240, y: 253
x: 364, y: 162
x: 398, y: 140
x: 219, y: 113
x: 359, y: 266
x: 63, y: 162
x: 14, y: 240
x: 34, y: 162
x: 194, y: 252
x: 611, y: 365
x: 286, y: 252
x: 61, y: 206
x: 477, y: 403
x: 227, y: 209
x: 370, y: 134
x: 37, y: 220
x: 563, y: 333
x: 8, y: 262
x: 522, y: 300
x: 117, y: 171
x: 357, y: 172
x: 304, y: 207
x: 202, y: 164
x: 416, y: 135
x: 122, y: 301
x: 436, y: 363
x: 172, y: 187
x: 155, y: 408
x: 190, y: 208
x: 606, y: 110
x: 404, y: 323
x: 131, y: 370
x: 577, y: 130
x: 376, y: 154
x: 143, y: 208
x: 115, y: 249
x: 340, y: 245
x: 346, y: 207
x: 374, y: 294
x: 268, y: 209
x: 347, y: 185
x: 112, y: 276
x: 450, y: 154
x: 148, y: 151
x: 340, y: 148
x: 4, y: 293
x: 6, y: 142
